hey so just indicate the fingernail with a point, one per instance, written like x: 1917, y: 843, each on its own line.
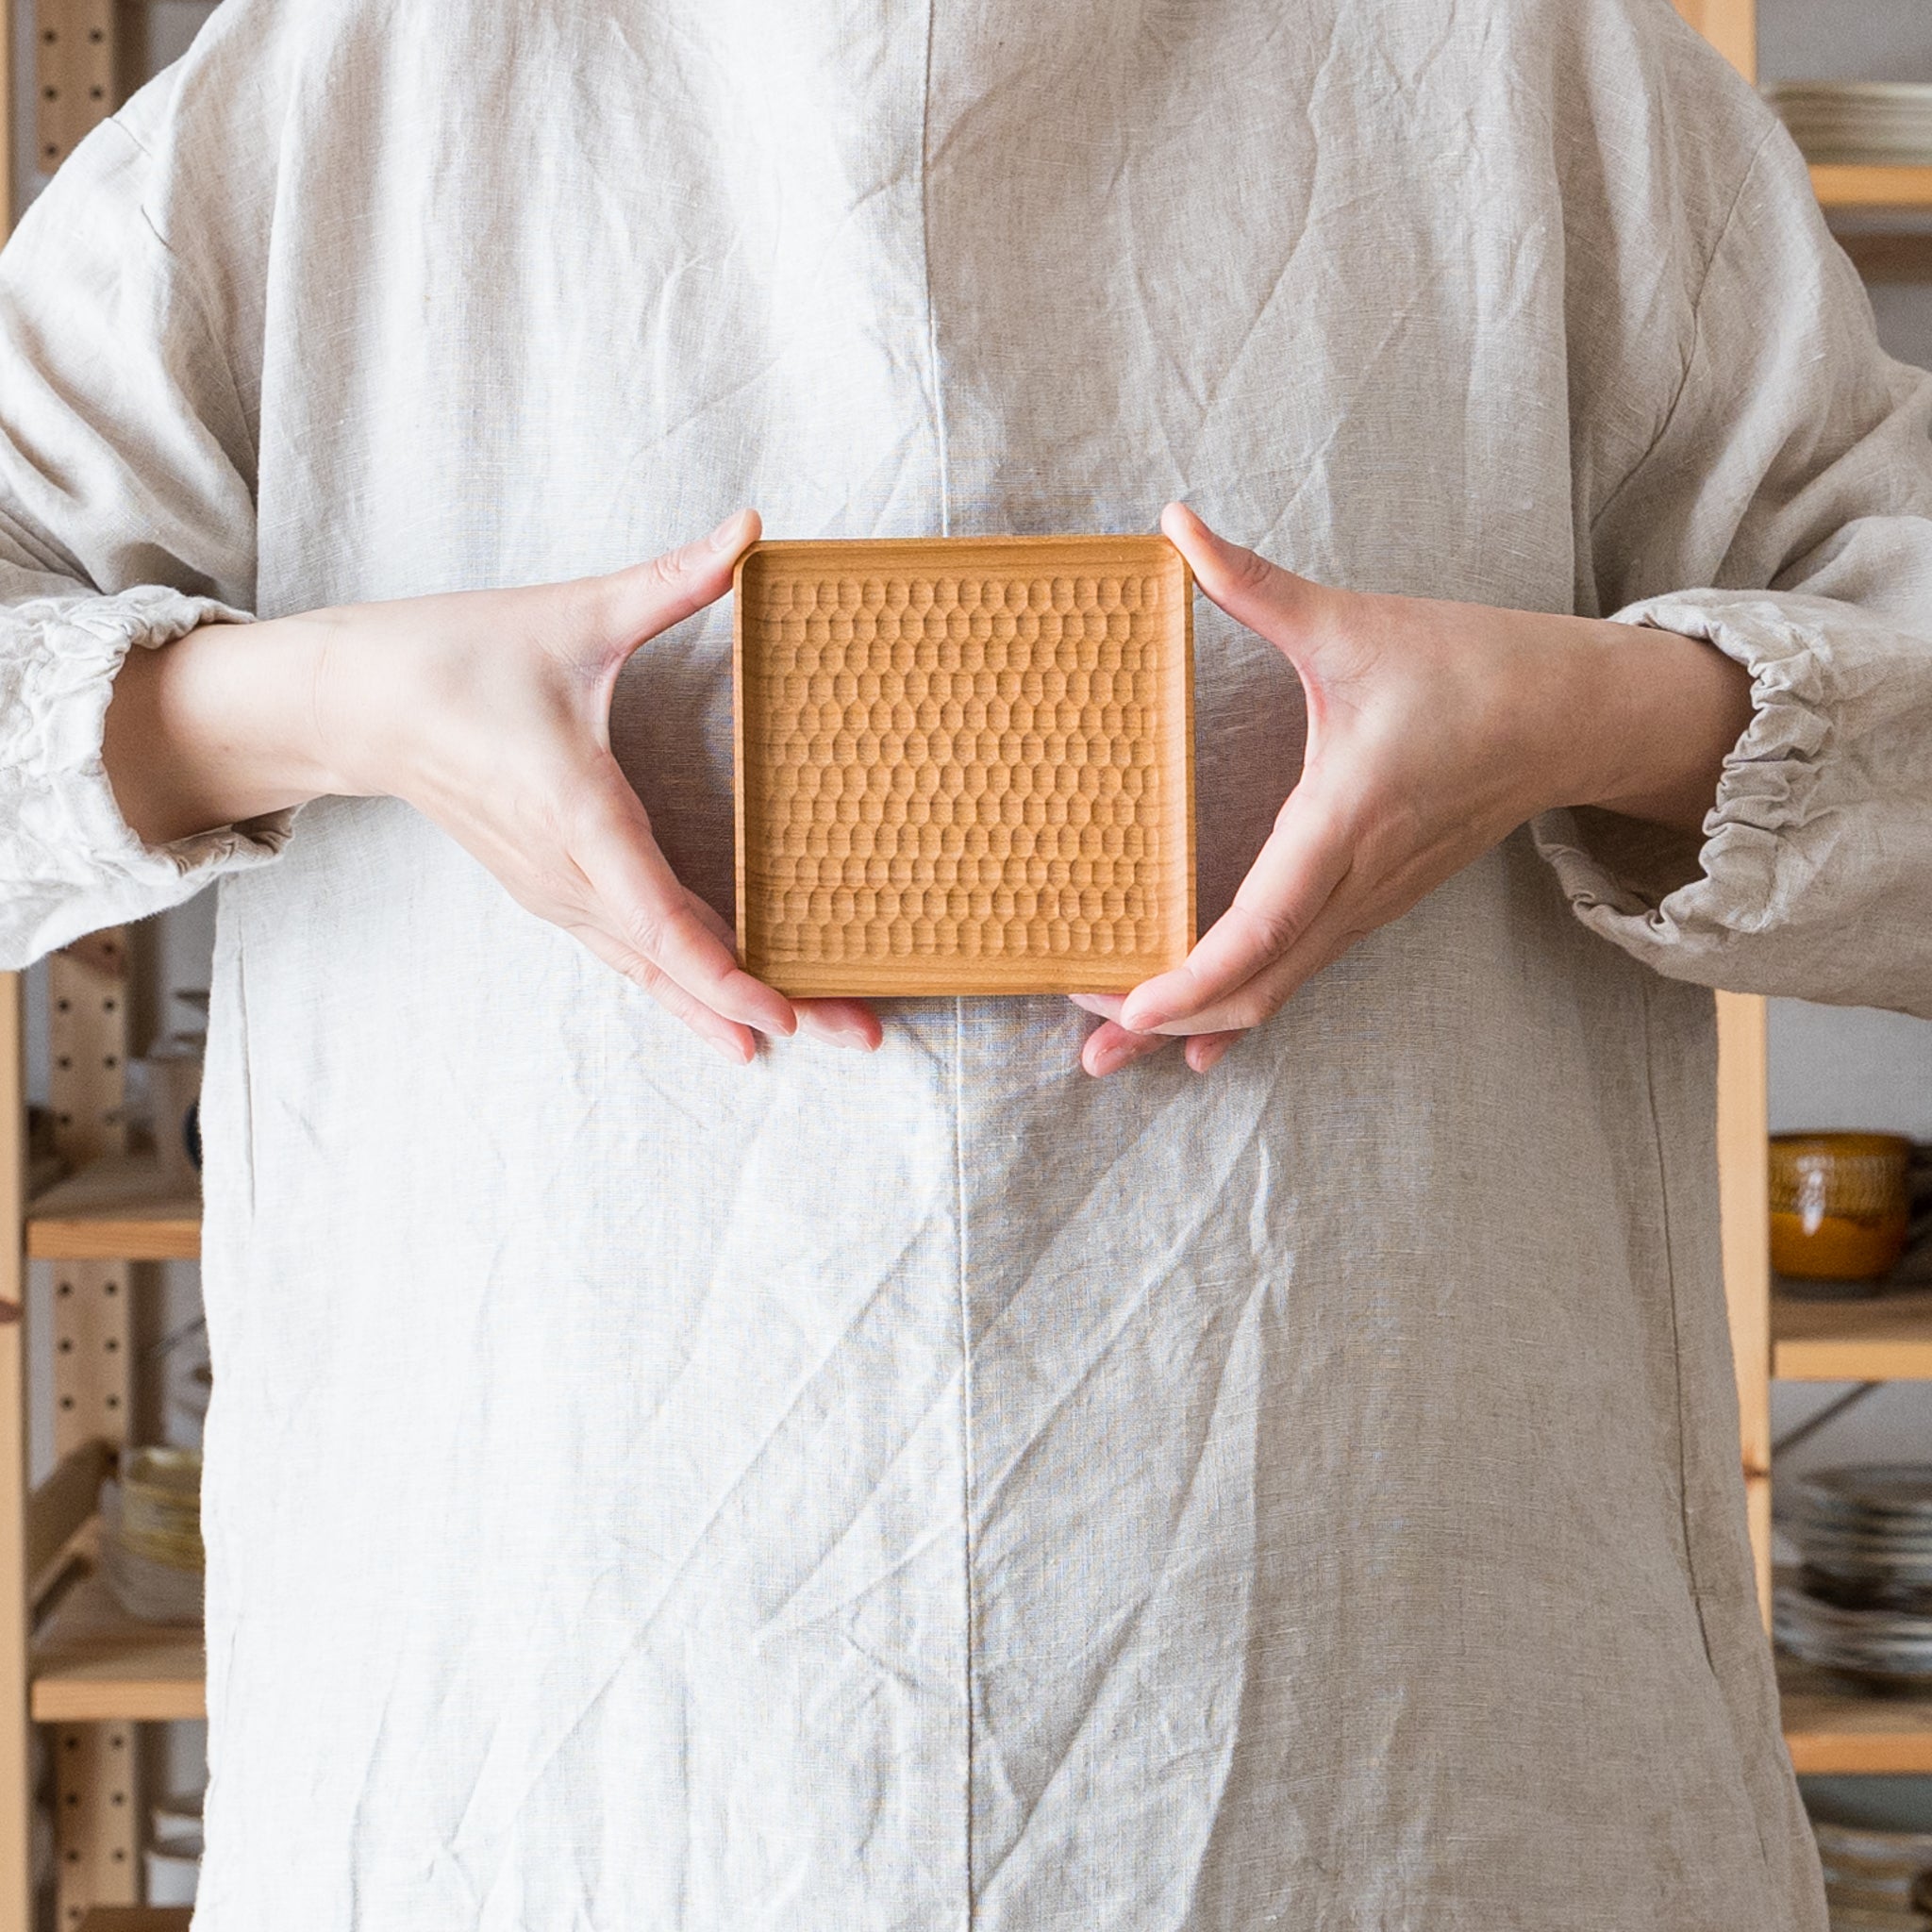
x: 1142, y: 1019
x: 856, y: 1038
x: 721, y: 537
x: 733, y: 1052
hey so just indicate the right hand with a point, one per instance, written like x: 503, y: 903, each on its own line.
x: 489, y: 712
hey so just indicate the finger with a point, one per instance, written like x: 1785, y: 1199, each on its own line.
x: 714, y: 920
x: 734, y: 1042
x: 633, y: 606
x: 1204, y: 1050
x: 1340, y: 924
x: 647, y: 910
x: 1109, y: 1047
x: 1272, y: 602
x: 842, y: 1023
x: 1297, y: 871
x: 1105, y: 1006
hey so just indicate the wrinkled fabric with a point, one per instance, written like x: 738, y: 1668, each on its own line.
x: 937, y: 1489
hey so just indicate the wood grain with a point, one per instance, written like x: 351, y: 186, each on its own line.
x: 964, y: 766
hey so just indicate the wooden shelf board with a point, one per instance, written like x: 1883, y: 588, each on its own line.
x: 1883, y: 1338
x: 1889, y: 257
x: 117, y: 1210
x: 1838, y: 185
x: 93, y: 1663
x: 1832, y: 1727
x: 137, y: 1919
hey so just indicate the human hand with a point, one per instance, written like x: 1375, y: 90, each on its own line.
x: 1435, y: 729
x: 489, y: 712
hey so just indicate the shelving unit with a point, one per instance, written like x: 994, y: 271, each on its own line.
x: 71, y: 1661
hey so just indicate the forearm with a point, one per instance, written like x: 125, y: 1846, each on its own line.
x: 216, y: 728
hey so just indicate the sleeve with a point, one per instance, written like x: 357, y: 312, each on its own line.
x: 126, y: 520
x: 1792, y: 477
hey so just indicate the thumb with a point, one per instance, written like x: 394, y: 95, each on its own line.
x: 1273, y: 603
x: 630, y: 607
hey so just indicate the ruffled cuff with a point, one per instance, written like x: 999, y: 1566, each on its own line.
x: 1820, y: 842
x: 68, y: 862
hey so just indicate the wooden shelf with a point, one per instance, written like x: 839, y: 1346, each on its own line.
x: 93, y: 1663
x: 1840, y: 186
x: 1831, y: 1727
x: 137, y: 1919
x: 1883, y: 1338
x: 115, y: 1211
x: 1889, y: 257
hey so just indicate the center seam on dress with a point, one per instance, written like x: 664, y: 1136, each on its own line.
x: 942, y: 462
x: 965, y: 1412
x: 942, y: 455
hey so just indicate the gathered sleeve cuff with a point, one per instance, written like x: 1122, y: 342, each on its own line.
x: 68, y: 862
x: 1814, y: 875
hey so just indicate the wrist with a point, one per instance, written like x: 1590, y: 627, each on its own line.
x: 1673, y: 709
x: 215, y: 729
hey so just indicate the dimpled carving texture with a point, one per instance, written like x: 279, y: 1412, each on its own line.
x: 964, y: 766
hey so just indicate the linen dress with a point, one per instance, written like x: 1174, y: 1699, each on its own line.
x: 937, y: 1489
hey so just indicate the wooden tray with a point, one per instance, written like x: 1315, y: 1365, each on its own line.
x: 964, y: 765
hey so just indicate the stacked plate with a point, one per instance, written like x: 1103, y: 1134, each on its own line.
x: 1874, y: 1880
x: 1871, y: 122
x: 1863, y: 1606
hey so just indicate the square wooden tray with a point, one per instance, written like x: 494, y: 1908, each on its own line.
x: 964, y: 765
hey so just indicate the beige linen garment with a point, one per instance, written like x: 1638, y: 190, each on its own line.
x: 939, y: 1490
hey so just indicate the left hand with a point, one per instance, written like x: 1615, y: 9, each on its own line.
x: 1435, y: 729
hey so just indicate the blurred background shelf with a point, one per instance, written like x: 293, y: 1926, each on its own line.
x: 137, y: 1919
x: 116, y: 1209
x: 1830, y: 1727
x: 1850, y: 184
x: 1877, y: 1339
x: 93, y: 1663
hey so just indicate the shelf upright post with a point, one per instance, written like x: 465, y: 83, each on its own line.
x: 1731, y: 27
x: 16, y: 1732
x: 97, y: 1823
x: 83, y: 47
x: 9, y: 186
x: 1744, y: 1197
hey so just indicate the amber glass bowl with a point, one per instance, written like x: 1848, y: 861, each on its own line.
x: 1838, y: 1204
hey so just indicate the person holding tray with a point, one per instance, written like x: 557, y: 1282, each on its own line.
x: 666, y: 1470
